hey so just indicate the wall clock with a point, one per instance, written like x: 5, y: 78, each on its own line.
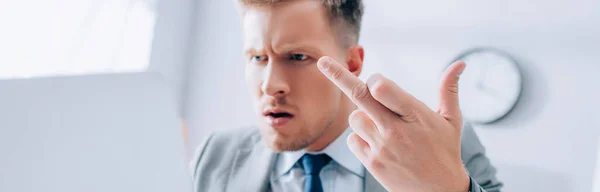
x: 490, y: 86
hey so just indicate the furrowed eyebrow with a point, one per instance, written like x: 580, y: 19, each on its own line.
x: 250, y: 51
x: 290, y: 48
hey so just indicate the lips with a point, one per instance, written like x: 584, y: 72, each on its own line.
x: 277, y: 117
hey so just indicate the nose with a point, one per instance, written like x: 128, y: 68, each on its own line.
x: 275, y: 83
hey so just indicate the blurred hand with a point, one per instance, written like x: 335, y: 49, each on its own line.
x: 403, y: 143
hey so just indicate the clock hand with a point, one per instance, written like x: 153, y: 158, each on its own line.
x: 483, y: 72
x: 490, y: 91
x: 481, y: 83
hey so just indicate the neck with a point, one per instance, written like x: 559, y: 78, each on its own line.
x: 337, y: 127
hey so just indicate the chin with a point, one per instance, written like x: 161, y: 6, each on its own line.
x: 279, y: 142
x: 293, y: 136
x: 277, y: 146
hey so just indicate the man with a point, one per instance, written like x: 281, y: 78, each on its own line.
x: 321, y: 129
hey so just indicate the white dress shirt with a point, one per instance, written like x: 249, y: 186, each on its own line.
x: 344, y: 173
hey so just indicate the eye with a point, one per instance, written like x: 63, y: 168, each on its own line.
x: 259, y: 58
x: 298, y: 57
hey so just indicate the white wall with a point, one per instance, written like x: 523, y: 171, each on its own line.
x: 173, y: 44
x: 548, y: 143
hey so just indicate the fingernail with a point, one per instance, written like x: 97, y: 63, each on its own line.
x: 325, y: 63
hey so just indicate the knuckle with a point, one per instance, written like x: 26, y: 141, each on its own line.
x: 354, y: 117
x: 359, y: 91
x: 449, y: 117
x: 374, y: 160
x: 336, y: 73
x: 393, y: 135
x: 409, y: 114
x: 374, y: 163
x: 389, y: 134
x: 379, y: 89
x: 379, y: 151
x: 397, y: 132
x: 453, y: 88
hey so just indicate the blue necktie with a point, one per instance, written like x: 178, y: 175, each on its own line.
x: 312, y: 165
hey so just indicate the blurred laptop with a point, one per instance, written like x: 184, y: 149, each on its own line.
x: 98, y: 133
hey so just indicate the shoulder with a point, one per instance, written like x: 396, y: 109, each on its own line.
x: 470, y: 144
x: 213, y: 159
x: 221, y: 146
x: 473, y: 154
x: 233, y: 138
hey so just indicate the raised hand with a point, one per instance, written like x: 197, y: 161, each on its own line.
x: 403, y: 143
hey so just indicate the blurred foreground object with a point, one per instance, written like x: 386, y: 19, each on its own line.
x: 96, y: 133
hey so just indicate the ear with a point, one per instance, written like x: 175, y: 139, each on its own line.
x: 354, y: 58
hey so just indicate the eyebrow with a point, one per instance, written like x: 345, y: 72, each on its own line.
x: 287, y: 48
x: 250, y: 51
x: 293, y: 47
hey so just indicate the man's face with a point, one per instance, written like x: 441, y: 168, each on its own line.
x: 295, y: 103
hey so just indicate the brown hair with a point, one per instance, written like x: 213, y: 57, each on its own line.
x: 347, y: 12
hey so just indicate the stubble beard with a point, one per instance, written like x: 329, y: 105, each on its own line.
x: 296, y: 143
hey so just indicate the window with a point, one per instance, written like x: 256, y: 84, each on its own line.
x: 72, y: 37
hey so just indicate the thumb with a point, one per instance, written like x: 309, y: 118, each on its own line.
x: 449, y: 107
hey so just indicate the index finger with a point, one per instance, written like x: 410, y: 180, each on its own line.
x: 355, y: 89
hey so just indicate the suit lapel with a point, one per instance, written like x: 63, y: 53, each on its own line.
x: 371, y: 184
x: 251, y: 169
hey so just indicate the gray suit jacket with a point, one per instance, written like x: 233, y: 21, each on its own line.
x: 237, y: 160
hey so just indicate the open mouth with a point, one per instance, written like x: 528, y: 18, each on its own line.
x: 277, y: 117
x: 280, y: 115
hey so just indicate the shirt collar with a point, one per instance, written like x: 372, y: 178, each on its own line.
x: 338, y: 150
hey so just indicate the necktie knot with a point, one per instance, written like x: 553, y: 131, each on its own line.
x: 313, y: 164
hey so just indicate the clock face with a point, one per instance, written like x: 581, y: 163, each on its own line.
x: 489, y: 87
